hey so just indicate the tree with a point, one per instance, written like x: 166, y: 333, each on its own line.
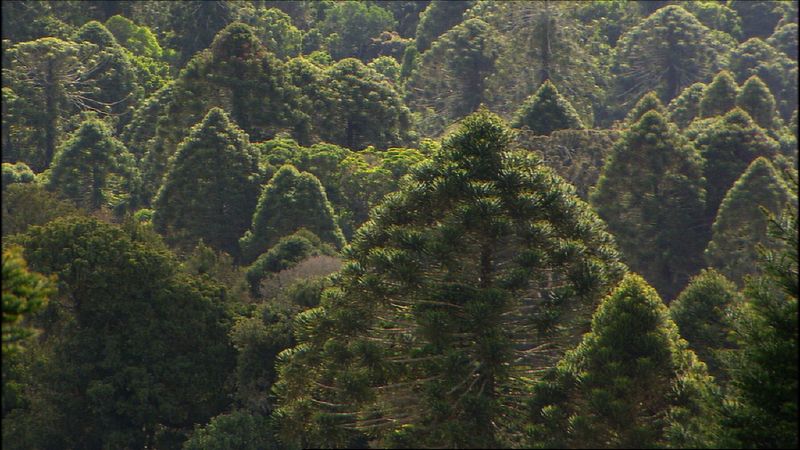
x: 665, y: 53
x: 16, y: 173
x: 684, y: 108
x: 728, y: 146
x: 741, y: 225
x: 350, y: 27
x: 785, y: 39
x: 292, y: 200
x: 474, y: 260
x: 437, y: 19
x: 720, y: 95
x: 27, y: 204
x: 24, y: 293
x: 757, y: 101
x: 652, y: 197
x: 275, y: 30
x: 761, y: 411
x: 649, y: 102
x: 632, y: 381
x: 758, y: 17
x: 93, y: 169
x: 134, y: 349
x: 547, y: 111
x: 778, y: 71
x: 704, y: 313
x: 211, y: 186
x: 195, y: 24
x: 238, y: 429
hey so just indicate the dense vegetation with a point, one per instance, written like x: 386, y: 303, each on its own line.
x: 399, y: 224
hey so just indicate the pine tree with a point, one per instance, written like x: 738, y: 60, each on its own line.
x: 741, y: 225
x: 720, y: 95
x: 93, y: 169
x: 756, y: 99
x: 728, y: 145
x: 761, y: 411
x: 651, y: 195
x: 649, y: 102
x: 704, y: 313
x: 292, y: 200
x: 631, y: 383
x: 446, y: 300
x: 211, y: 186
x: 547, y: 111
x: 684, y: 108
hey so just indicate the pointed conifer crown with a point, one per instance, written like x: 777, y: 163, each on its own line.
x: 739, y: 118
x: 720, y: 95
x: 96, y: 33
x: 756, y: 98
x: 546, y: 111
x: 648, y: 102
x: 237, y: 40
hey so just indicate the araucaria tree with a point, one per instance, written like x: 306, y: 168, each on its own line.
x: 651, y: 195
x: 719, y: 96
x: 756, y: 99
x: 292, y: 200
x: 461, y: 286
x: 547, y: 111
x: 211, y: 186
x: 631, y: 383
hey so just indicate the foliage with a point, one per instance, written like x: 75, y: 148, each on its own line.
x: 24, y: 293
x: 16, y: 173
x: 350, y: 26
x: 719, y: 96
x: 785, y: 39
x: 239, y: 429
x: 757, y: 101
x: 778, y: 71
x: 649, y: 102
x: 547, y: 111
x: 27, y: 204
x: 437, y: 19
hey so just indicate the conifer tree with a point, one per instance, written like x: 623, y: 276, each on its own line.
x: 757, y: 101
x: 651, y: 195
x: 547, y: 111
x: 290, y: 201
x: 93, y: 169
x: 704, y: 314
x: 437, y: 19
x: 444, y: 304
x: 778, y: 71
x: 741, y: 225
x: 684, y: 108
x: 24, y: 293
x: 728, y: 145
x: 761, y: 411
x: 649, y: 102
x: 631, y: 383
x: 720, y: 95
x: 211, y: 186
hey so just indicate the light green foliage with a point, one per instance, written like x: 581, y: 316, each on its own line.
x: 135, y: 347
x: 481, y: 254
x: 240, y: 430
x: 684, y: 108
x: 665, y: 53
x: 16, y: 173
x: 741, y: 225
x: 719, y: 96
x: 547, y: 111
x: 24, y: 293
x: 26, y: 204
x: 631, y: 383
x: 651, y: 195
x: 649, y: 102
x: 147, y: 56
x: 350, y: 26
x: 93, y: 169
x: 386, y: 66
x: 728, y: 145
x: 292, y: 200
x: 211, y: 186
x: 275, y: 30
x: 756, y: 99
x: 761, y: 411
x: 778, y: 71
x: 437, y: 19
x: 785, y: 39
x: 703, y: 313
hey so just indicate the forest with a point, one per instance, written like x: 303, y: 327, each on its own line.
x: 254, y: 225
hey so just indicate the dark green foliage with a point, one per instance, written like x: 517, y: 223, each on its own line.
x: 728, y: 145
x: 719, y: 96
x: 437, y: 19
x: 762, y: 407
x: 651, y: 195
x: 703, y: 313
x: 241, y: 430
x: 716, y: 16
x: 785, y: 39
x: 211, y: 186
x: 649, y: 102
x: 756, y: 99
x: 350, y: 26
x: 16, y: 173
x: 631, y: 383
x: 684, y: 108
x: 778, y: 71
x: 758, y: 17
x: 27, y: 204
x: 665, y: 53
x: 292, y: 200
x: 24, y: 293
x: 195, y: 23
x: 741, y: 225
x: 547, y: 111
x: 480, y: 255
x: 93, y: 169
x: 146, y: 352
